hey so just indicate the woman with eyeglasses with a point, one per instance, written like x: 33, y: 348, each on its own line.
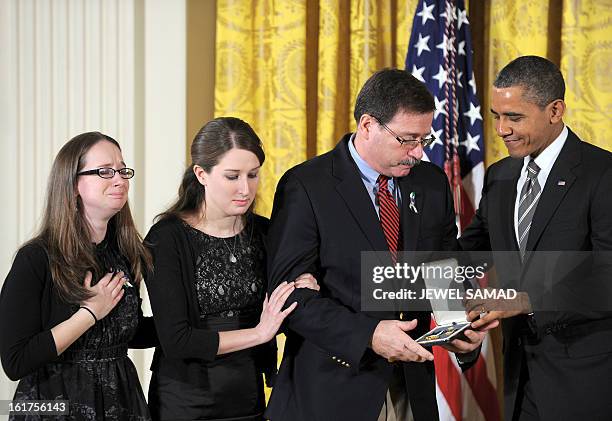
x: 70, y: 306
x: 215, y: 325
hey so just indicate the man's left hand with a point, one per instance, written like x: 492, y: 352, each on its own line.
x: 473, y: 339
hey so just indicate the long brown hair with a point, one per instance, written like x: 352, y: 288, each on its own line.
x: 211, y: 142
x: 65, y: 233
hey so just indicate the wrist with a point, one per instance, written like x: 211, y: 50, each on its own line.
x: 90, y: 314
x: 525, y: 303
x: 259, y: 335
x: 373, y: 337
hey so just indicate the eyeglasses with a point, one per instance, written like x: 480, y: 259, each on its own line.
x: 409, y: 143
x: 109, y: 172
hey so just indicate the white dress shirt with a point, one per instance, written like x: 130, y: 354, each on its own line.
x: 545, y: 160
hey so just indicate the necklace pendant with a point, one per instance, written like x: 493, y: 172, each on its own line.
x: 232, y: 258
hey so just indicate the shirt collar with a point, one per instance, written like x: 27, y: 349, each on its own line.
x: 367, y: 173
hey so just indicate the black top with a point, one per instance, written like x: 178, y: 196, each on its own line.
x: 194, y: 281
x: 226, y: 286
x: 94, y: 373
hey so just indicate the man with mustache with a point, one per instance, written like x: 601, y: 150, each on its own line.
x: 367, y: 194
x: 547, y: 208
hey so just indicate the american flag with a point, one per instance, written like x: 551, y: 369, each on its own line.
x: 440, y: 55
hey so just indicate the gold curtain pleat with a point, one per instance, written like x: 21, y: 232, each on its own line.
x: 405, y: 15
x: 586, y: 62
x: 260, y: 78
x: 517, y: 28
x: 370, y: 43
x: 333, y: 73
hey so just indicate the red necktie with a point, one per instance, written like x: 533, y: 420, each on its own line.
x: 389, y: 215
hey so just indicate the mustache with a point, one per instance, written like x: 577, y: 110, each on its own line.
x: 410, y: 161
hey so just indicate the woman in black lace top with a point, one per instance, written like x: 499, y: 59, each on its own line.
x: 215, y: 325
x: 70, y: 307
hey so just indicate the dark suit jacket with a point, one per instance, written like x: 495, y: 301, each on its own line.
x: 323, y: 219
x: 570, y: 364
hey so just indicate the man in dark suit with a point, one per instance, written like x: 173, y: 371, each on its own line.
x: 367, y: 194
x: 548, y: 209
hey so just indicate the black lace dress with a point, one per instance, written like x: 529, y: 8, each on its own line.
x: 230, y: 293
x: 95, y: 374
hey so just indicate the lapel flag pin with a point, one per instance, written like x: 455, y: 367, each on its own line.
x: 561, y: 183
x: 412, y: 205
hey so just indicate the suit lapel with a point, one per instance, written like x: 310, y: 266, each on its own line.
x: 507, y: 199
x: 410, y: 217
x: 553, y: 193
x: 356, y: 197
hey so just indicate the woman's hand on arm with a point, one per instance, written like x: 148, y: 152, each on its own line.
x: 106, y: 294
x: 272, y: 317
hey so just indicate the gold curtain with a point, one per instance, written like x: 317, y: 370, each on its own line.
x: 292, y: 69
x: 260, y: 78
x: 586, y: 62
x: 356, y: 38
x: 517, y: 28
x: 575, y: 34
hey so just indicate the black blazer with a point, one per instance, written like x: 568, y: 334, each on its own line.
x: 570, y: 366
x: 323, y: 218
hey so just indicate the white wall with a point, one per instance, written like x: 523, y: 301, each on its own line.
x: 70, y: 66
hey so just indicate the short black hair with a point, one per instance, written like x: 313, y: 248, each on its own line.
x: 389, y: 91
x: 540, y: 78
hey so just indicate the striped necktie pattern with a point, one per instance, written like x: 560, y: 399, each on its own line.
x: 530, y: 194
x: 389, y: 215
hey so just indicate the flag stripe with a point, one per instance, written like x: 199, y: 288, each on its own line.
x: 448, y: 380
x: 483, y: 390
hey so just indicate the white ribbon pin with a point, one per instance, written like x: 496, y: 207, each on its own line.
x: 412, y: 204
